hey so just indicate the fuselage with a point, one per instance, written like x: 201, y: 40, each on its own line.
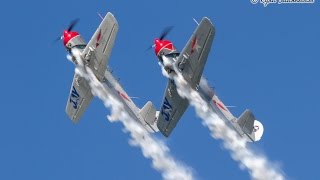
x: 218, y: 108
x: 113, y: 87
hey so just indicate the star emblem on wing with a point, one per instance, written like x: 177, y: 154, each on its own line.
x: 195, y: 45
x: 98, y: 38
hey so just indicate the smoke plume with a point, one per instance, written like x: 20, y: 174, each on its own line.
x: 257, y: 164
x: 151, y: 147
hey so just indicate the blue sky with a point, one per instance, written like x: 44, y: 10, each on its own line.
x: 265, y: 59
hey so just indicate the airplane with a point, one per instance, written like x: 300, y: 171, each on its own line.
x: 190, y: 63
x: 95, y: 55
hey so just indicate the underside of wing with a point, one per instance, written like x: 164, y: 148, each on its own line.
x: 173, y: 107
x: 79, y: 98
x: 194, y: 56
x: 99, y: 48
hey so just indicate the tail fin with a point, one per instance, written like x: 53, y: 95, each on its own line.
x: 148, y: 114
x: 250, y: 126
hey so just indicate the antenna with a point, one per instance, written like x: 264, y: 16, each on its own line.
x: 100, y: 15
x: 231, y: 106
x: 195, y: 21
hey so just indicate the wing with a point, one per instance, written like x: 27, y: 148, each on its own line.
x: 194, y: 55
x: 99, y: 48
x: 79, y: 98
x: 172, y: 109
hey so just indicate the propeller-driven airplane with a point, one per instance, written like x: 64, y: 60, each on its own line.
x: 95, y: 55
x: 190, y: 63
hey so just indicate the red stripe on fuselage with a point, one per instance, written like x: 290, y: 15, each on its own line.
x: 123, y: 96
x: 220, y: 105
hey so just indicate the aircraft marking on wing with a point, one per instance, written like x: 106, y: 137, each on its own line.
x: 166, y: 109
x: 74, y: 97
x: 195, y: 45
x: 98, y: 38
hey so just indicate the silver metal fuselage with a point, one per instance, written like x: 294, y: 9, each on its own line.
x: 113, y: 87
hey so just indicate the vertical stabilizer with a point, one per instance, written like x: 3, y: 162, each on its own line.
x: 250, y: 126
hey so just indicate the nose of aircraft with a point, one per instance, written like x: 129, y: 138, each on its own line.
x: 157, y: 45
x: 161, y: 44
x: 68, y: 35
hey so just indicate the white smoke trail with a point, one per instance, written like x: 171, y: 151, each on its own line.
x: 258, y: 165
x: 152, y: 148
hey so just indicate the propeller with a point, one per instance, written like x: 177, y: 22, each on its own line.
x: 72, y: 24
x: 150, y: 47
x: 56, y: 40
x: 163, y: 34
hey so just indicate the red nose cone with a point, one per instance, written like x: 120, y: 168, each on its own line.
x: 161, y: 44
x: 68, y: 35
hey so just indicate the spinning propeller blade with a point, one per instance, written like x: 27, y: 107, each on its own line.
x: 72, y: 24
x: 165, y: 32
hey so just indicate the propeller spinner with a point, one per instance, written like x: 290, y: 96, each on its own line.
x: 160, y: 44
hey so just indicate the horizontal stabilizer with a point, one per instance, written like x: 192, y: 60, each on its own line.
x: 250, y: 126
x: 148, y: 113
x: 246, y: 121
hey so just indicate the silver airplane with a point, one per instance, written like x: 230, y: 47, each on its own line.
x: 96, y: 56
x: 190, y: 63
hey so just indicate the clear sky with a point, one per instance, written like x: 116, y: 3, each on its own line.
x: 263, y: 58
